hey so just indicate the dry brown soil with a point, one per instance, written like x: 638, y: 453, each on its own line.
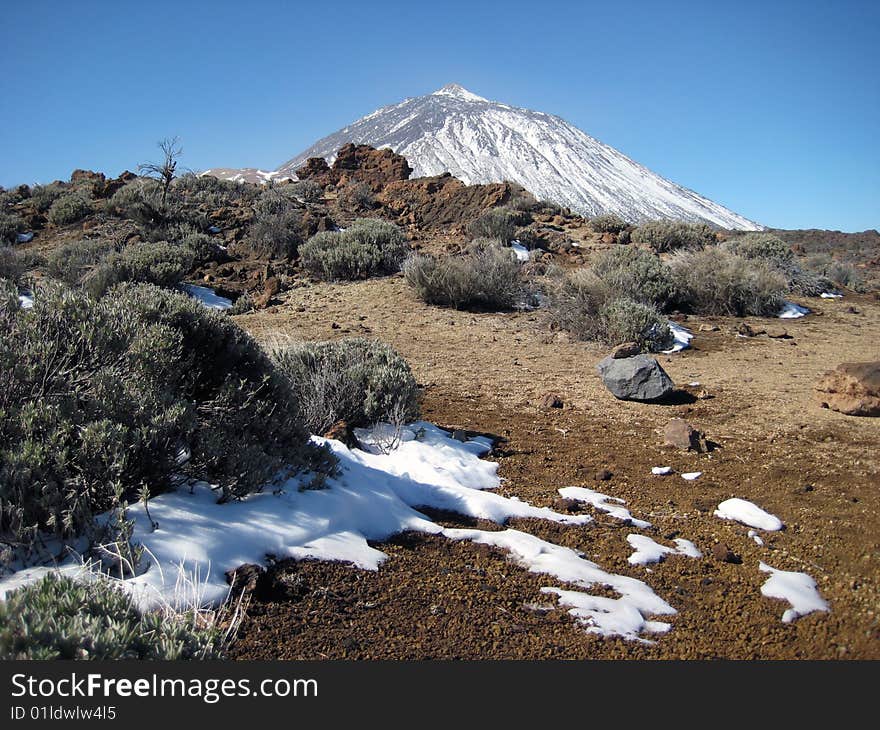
x: 816, y: 469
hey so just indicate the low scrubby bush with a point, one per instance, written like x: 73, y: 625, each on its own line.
x: 141, y: 201
x: 99, y: 398
x: 717, y: 282
x: 625, y: 320
x: 307, y: 190
x: 636, y: 274
x: 664, y: 236
x: 163, y: 264
x: 69, y: 208
x: 485, y: 278
x: 211, y: 192
x: 72, y: 261
x: 275, y: 235
x: 10, y: 227
x: 43, y: 196
x: 775, y: 252
x: 499, y: 224
x: 369, y: 247
x: 608, y: 223
x: 361, y: 382
x: 356, y: 196
x: 58, y: 617
x: 11, y: 265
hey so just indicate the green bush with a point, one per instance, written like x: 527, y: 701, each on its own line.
x: 633, y: 273
x: 369, y: 247
x: 43, y: 196
x: 275, y: 235
x: 358, y: 381
x: 58, y: 617
x: 608, y: 223
x: 243, y: 305
x: 163, y: 264
x: 356, y: 196
x: 201, y: 247
x: 72, y: 261
x: 485, y: 278
x: 716, y: 281
x: 625, y: 320
x: 776, y: 253
x: 69, y: 208
x: 307, y: 190
x: 99, y: 398
x: 211, y: 192
x: 665, y: 236
x: 10, y: 227
x: 139, y: 200
x: 496, y: 223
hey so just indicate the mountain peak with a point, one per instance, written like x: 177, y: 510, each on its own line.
x: 459, y: 92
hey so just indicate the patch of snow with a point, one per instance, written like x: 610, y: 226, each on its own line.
x: 748, y: 513
x: 756, y: 537
x: 681, y: 338
x: 24, y: 237
x: 831, y: 295
x: 522, y: 253
x: 207, y: 296
x: 790, y: 310
x: 647, y: 551
x: 691, y: 475
x: 661, y: 471
x: 610, y: 505
x: 214, y: 229
x: 26, y: 300
x: 799, y: 589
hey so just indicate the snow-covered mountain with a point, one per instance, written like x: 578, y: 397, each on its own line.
x: 480, y: 141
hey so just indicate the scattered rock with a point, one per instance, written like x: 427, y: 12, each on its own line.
x: 639, y: 378
x: 746, y: 330
x: 724, y: 554
x: 708, y: 328
x: 270, y: 289
x: 777, y: 333
x: 704, y: 504
x: 560, y: 504
x: 551, y: 400
x: 341, y: 431
x: 679, y: 434
x: 460, y: 435
x: 627, y: 349
x: 603, y: 475
x: 853, y: 389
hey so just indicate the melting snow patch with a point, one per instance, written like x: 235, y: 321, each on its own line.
x: 681, y: 338
x: 207, y: 296
x: 24, y: 237
x: 26, y: 300
x: 214, y: 229
x: 661, y: 471
x: 610, y: 505
x: 831, y: 295
x: 647, y: 551
x: 790, y: 310
x: 691, y: 475
x: 747, y: 513
x: 522, y: 253
x: 799, y: 589
x: 756, y: 537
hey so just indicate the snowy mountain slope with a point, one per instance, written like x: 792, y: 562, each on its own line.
x: 480, y: 141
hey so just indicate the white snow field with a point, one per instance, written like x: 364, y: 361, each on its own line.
x: 748, y: 513
x: 681, y: 338
x: 647, y: 551
x: 208, y: 297
x: 799, y: 589
x: 790, y: 310
x: 610, y: 505
x: 376, y: 495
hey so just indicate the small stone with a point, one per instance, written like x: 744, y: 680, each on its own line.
x: 460, y: 435
x: 627, y: 349
x: 639, y: 378
x: 708, y: 328
x: 551, y: 400
x: 603, y: 475
x: 679, y: 434
x: 724, y: 554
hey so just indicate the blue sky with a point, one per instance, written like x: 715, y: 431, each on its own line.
x: 770, y: 108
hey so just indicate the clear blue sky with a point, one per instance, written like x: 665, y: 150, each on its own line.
x: 771, y: 108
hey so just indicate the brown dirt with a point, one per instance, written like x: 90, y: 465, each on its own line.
x: 816, y: 469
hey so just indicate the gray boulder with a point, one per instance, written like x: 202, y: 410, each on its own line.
x: 635, y: 378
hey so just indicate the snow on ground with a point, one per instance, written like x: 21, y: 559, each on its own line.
x: 647, y: 551
x: 375, y: 496
x: 692, y: 475
x: 24, y: 237
x: 26, y: 300
x: 748, y: 513
x: 831, y: 295
x: 681, y: 338
x: 757, y: 538
x: 661, y: 471
x: 799, y: 589
x: 790, y: 310
x: 207, y: 296
x: 522, y: 253
x: 610, y: 505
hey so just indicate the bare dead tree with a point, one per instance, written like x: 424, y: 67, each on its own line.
x: 164, y: 171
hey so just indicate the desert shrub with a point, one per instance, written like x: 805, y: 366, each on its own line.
x: 845, y: 274
x: 485, y: 278
x: 201, y: 247
x: 275, y: 233
x: 636, y: 274
x: 625, y: 320
x: 69, y: 208
x: 211, y: 192
x: 356, y: 196
x: 99, y: 398
x: 523, y: 201
x: 10, y: 227
x: 11, y: 265
x: 140, y: 201
x: 608, y: 223
x: 72, y: 261
x: 664, y: 236
x: 58, y: 617
x: 243, y: 305
x: 43, y: 196
x: 497, y: 223
x: 716, y: 281
x: 307, y: 190
x: 369, y: 247
x: 776, y: 253
x: 624, y: 237
x: 163, y: 264
x: 361, y: 382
